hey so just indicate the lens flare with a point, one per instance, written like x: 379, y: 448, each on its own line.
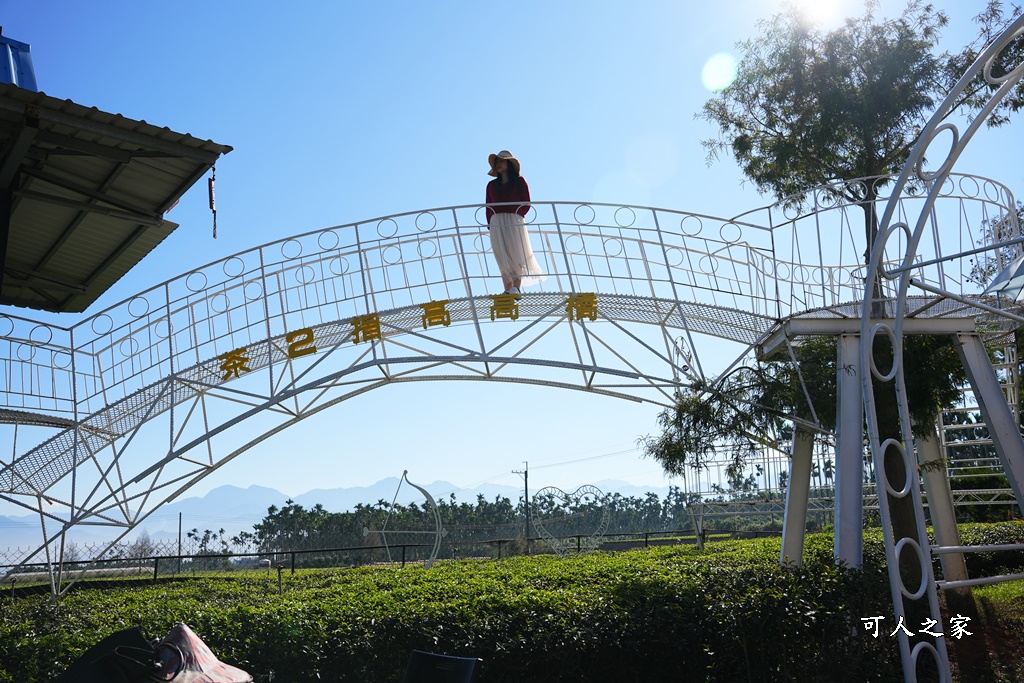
x: 719, y: 72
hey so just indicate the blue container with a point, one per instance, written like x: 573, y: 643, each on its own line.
x: 16, y: 64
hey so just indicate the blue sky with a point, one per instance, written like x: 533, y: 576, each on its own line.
x: 344, y: 111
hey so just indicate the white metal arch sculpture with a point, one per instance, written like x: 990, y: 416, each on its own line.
x: 877, y: 305
x: 278, y: 332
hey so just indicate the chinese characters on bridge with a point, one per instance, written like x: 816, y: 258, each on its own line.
x: 367, y: 327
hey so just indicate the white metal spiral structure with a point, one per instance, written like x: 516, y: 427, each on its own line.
x: 906, y: 253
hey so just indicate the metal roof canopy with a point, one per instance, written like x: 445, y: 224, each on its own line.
x: 82, y: 196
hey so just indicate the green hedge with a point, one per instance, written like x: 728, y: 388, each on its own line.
x: 728, y: 614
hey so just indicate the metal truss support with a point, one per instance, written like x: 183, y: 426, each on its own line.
x: 940, y: 505
x: 849, y: 526
x: 797, y: 494
x: 1002, y: 426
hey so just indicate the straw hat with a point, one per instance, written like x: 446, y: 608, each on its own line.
x: 503, y: 154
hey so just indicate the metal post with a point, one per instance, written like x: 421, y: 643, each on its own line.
x: 794, y: 524
x: 940, y: 505
x: 849, y: 504
x: 1002, y: 426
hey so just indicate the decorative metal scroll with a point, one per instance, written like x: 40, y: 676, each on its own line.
x: 438, y: 533
x: 878, y: 304
x: 581, y: 529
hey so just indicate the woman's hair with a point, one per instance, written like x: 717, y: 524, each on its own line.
x: 512, y: 170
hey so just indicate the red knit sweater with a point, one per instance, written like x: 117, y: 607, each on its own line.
x: 513, y: 191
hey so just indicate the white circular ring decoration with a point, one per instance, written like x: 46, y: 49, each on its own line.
x: 387, y: 228
x: 138, y: 307
x: 478, y: 243
x: 574, y: 243
x: 884, y: 448
x: 391, y: 254
x: 129, y: 347
x: 884, y: 238
x: 25, y: 352
x: 584, y: 214
x: 219, y: 302
x: 990, y: 190
x: 818, y: 276
x: 327, y: 240
x: 730, y: 233
x: 974, y: 184
x: 196, y: 281
x: 915, y: 654
x: 305, y: 275
x: 1010, y: 73
x: 691, y: 225
x: 612, y: 246
x: 480, y: 216
x: 61, y: 360
x: 674, y: 256
x: 825, y: 200
x: 625, y: 217
x: 891, y: 375
x: 234, y: 267
x: 782, y: 271
x: 339, y: 266
x: 531, y: 214
x: 426, y: 248
x: 790, y: 212
x: 102, y: 324
x: 948, y: 187
x: 253, y: 290
x: 708, y: 264
x: 291, y: 249
x: 951, y: 155
x: 426, y: 221
x: 6, y: 326
x: 41, y: 335
x: 919, y: 593
x: 162, y: 328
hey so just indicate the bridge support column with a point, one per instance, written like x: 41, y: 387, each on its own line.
x: 849, y: 504
x: 940, y: 505
x: 1002, y: 426
x: 794, y: 526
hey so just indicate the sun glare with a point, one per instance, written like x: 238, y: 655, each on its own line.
x: 719, y: 72
x: 821, y: 13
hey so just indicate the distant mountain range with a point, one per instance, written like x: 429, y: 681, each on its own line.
x: 236, y: 509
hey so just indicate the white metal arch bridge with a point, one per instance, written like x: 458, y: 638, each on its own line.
x: 637, y: 303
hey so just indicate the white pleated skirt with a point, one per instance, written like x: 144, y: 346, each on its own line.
x: 510, y: 243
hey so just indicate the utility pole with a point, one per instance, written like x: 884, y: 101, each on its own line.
x: 526, y: 500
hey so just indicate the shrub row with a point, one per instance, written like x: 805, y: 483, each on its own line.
x: 727, y: 614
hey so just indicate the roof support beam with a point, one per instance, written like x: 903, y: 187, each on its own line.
x: 77, y: 220
x: 91, y: 193
x: 91, y: 208
x: 800, y: 327
x: 15, y: 153
x: 68, y: 145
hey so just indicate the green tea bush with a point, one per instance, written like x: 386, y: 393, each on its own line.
x: 669, y: 613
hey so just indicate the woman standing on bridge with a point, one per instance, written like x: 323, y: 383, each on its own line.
x: 509, y: 239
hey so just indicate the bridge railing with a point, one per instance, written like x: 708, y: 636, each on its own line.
x: 771, y: 263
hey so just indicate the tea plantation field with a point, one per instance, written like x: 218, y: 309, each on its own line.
x: 726, y: 614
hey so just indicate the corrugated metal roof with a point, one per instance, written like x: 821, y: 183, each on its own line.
x: 86, y: 191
